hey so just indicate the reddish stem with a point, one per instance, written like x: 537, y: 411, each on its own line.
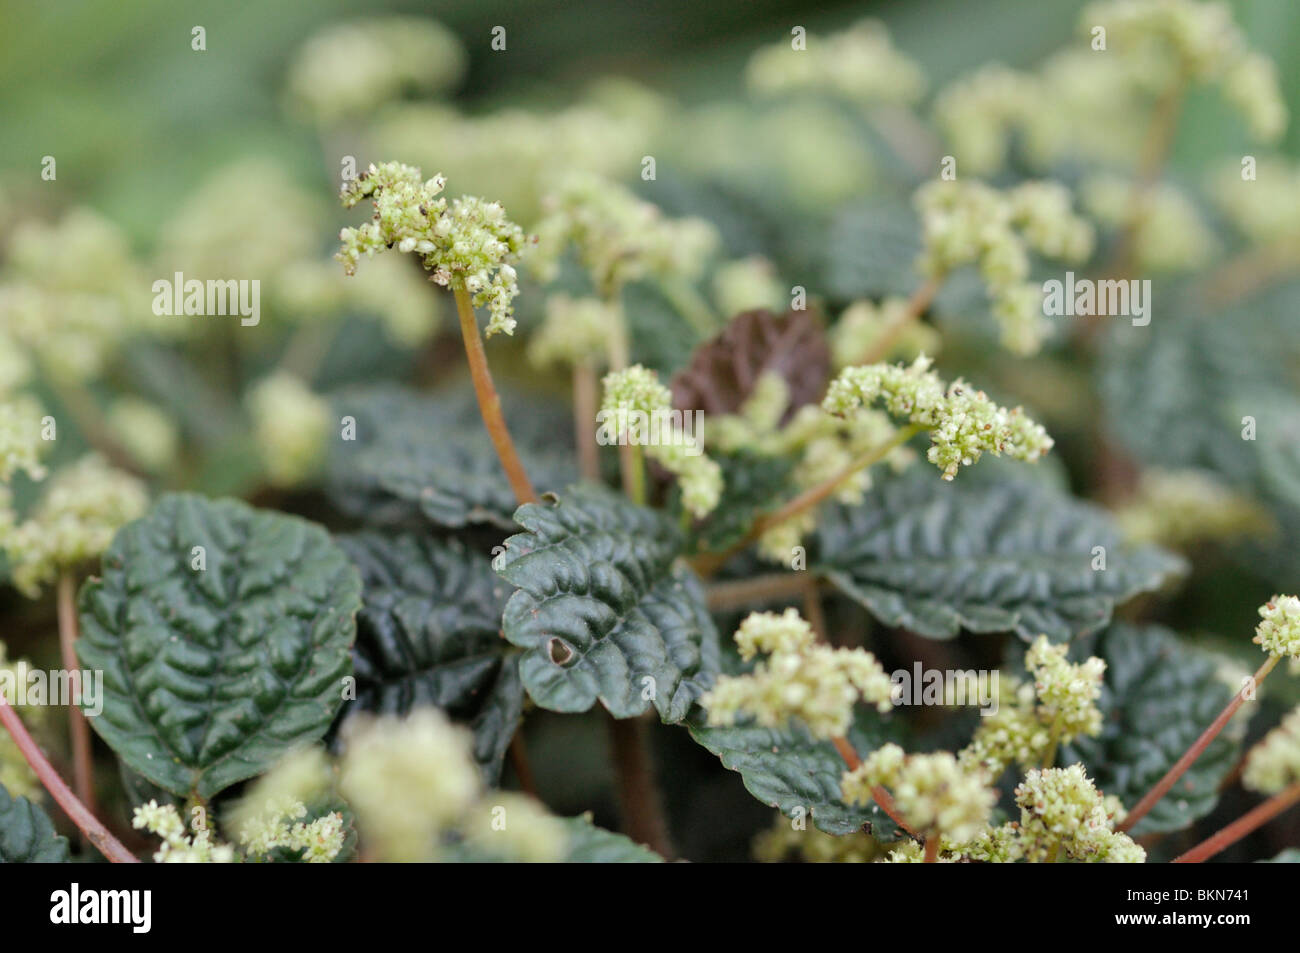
x: 83, y: 765
x: 1189, y: 757
x: 1242, y: 826
x: 881, y: 796
x: 95, y: 832
x: 932, y: 849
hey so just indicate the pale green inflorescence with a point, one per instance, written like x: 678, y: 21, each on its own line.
x: 83, y: 505
x: 966, y: 222
x: 748, y: 284
x: 21, y: 443
x: 575, y: 331
x: 1064, y: 816
x: 145, y: 431
x: 860, y: 64
x: 1057, y: 706
x: 964, y: 423
x: 413, y: 783
x: 934, y: 792
x: 864, y: 323
x: 618, y: 237
x: 1169, y: 234
x: 468, y: 244
x: 1279, y: 633
x: 639, y: 409
x: 290, y: 426
x: 178, y: 847
x: 1181, y: 507
x: 16, y: 775
x: 278, y: 826
x: 1274, y: 764
x: 800, y: 680
x: 1262, y: 208
x: 349, y: 70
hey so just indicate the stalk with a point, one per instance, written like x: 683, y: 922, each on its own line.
x: 1198, y: 747
x: 489, y: 402
x: 96, y: 833
x: 1242, y: 826
x: 638, y: 792
x: 584, y: 415
x: 916, y: 304
x: 83, y: 765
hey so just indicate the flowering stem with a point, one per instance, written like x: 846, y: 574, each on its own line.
x: 489, y: 402
x: 87, y: 823
x: 884, y: 800
x: 1189, y: 757
x: 1049, y: 756
x: 916, y: 304
x: 808, y: 499
x: 584, y: 416
x: 83, y: 765
x: 932, y: 849
x: 1242, y: 826
x: 638, y: 794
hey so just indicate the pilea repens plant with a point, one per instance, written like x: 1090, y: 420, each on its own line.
x: 760, y: 561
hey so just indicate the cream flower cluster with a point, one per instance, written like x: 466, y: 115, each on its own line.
x: 81, y: 508
x: 1168, y: 232
x: 748, y: 284
x: 634, y: 396
x: 280, y: 826
x: 1274, y: 764
x: 864, y: 323
x: 979, y: 113
x: 179, y: 847
x: 965, y: 222
x: 934, y: 792
x: 21, y: 445
x: 16, y: 775
x: 1263, y: 208
x: 350, y: 69
x: 800, y: 679
x: 1181, y: 507
x: 618, y: 237
x: 860, y: 63
x: 1064, y: 816
x: 468, y: 244
x: 412, y: 781
x: 290, y: 427
x: 1059, y: 705
x: 1279, y: 633
x: 964, y: 424
x: 575, y: 331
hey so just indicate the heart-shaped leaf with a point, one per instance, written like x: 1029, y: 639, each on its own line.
x: 223, y: 634
x: 936, y: 557
x: 603, y: 611
x: 430, y: 634
x: 27, y: 834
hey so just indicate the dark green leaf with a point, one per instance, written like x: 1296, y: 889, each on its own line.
x: 212, y: 674
x: 603, y: 611
x: 26, y: 833
x: 792, y: 771
x: 430, y: 634
x: 416, y: 457
x: 871, y: 250
x: 1158, y: 696
x: 935, y: 557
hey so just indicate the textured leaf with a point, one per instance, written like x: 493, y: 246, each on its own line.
x: 871, y: 250
x: 419, y: 457
x: 724, y: 370
x: 791, y: 771
x: 1158, y: 696
x: 1289, y: 856
x: 212, y: 674
x: 27, y: 834
x: 602, y: 610
x: 935, y: 557
x: 430, y: 634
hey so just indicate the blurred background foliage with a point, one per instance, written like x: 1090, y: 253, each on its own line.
x: 140, y: 124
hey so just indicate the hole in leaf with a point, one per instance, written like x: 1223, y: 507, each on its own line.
x: 561, y: 654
